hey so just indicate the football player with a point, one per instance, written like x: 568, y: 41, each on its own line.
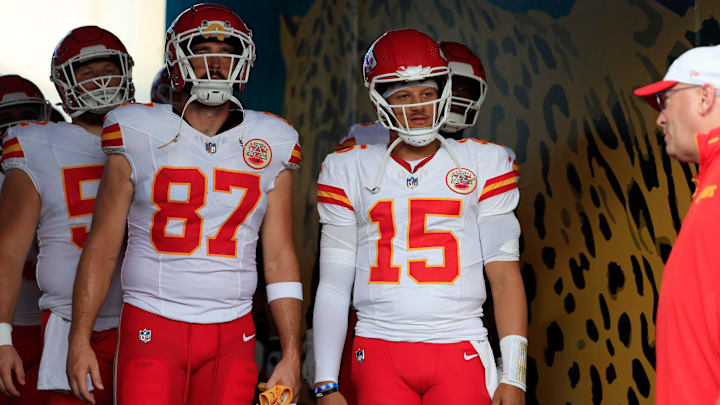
x: 21, y: 101
x: 469, y: 88
x: 413, y: 226
x: 199, y: 185
x: 53, y: 170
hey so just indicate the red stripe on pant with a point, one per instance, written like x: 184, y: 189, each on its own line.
x: 408, y: 373
x: 28, y: 344
x: 104, y: 344
x: 165, y: 362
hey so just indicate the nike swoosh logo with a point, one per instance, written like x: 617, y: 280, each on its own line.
x: 470, y: 357
x: 246, y: 338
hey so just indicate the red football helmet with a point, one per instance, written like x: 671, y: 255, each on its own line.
x: 208, y: 22
x: 469, y: 86
x: 98, y: 94
x: 162, y: 91
x: 404, y: 56
x: 21, y: 101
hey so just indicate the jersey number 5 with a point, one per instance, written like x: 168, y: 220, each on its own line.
x: 224, y: 242
x: 77, y: 206
x: 418, y: 237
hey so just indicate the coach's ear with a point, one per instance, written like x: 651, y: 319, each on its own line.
x: 707, y: 98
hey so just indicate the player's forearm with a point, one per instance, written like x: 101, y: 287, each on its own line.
x: 10, y: 279
x: 509, y: 298
x: 92, y: 283
x: 286, y: 314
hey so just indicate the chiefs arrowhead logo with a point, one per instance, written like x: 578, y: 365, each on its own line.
x: 257, y: 153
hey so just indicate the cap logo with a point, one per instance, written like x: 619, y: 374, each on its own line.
x: 214, y: 27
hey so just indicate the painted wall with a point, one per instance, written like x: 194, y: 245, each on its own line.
x: 601, y: 204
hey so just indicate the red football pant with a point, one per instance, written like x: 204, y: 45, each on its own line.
x: 390, y: 373
x: 104, y: 344
x: 184, y: 363
x: 28, y: 344
x: 344, y: 379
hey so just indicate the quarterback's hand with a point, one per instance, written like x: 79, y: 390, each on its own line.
x: 336, y: 398
x: 10, y: 364
x: 507, y: 394
x: 81, y: 361
x: 287, y: 373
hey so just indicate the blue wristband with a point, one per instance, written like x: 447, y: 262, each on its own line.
x: 325, y: 387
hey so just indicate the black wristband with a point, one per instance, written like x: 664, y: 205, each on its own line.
x: 326, y: 392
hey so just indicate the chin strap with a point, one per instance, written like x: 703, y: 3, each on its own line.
x: 392, y: 146
x: 192, y: 98
x: 376, y: 188
x: 455, y: 159
x: 182, y: 114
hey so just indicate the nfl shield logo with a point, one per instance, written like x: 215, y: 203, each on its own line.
x: 145, y: 335
x: 360, y: 355
x: 412, y: 182
x: 210, y: 147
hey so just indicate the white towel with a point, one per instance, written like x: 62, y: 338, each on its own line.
x: 52, y: 374
x: 487, y: 358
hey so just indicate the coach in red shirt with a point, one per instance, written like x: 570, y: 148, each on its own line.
x: 688, y: 319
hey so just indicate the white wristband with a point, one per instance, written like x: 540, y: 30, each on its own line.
x: 289, y: 289
x: 513, y: 349
x: 5, y: 334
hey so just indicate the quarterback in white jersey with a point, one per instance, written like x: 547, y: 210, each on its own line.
x: 195, y: 187
x: 53, y: 171
x: 411, y: 227
x: 434, y: 218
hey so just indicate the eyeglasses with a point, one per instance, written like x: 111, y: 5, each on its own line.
x: 662, y: 96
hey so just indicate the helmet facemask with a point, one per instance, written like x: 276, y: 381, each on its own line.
x: 97, y: 95
x: 208, y: 90
x: 464, y: 110
x: 387, y: 114
x: 39, y: 108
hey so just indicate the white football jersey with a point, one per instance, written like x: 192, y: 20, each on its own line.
x: 372, y: 133
x: 198, y: 207
x: 375, y: 133
x: 27, y: 311
x: 65, y: 163
x: 419, y: 267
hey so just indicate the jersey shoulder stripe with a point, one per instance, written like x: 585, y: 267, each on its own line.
x: 112, y: 136
x: 500, y: 184
x: 333, y: 195
x: 296, y: 155
x: 11, y: 149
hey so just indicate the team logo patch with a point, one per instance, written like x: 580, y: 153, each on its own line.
x: 461, y: 181
x: 210, y: 147
x: 412, y: 182
x: 145, y: 335
x: 257, y: 153
x: 360, y: 355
